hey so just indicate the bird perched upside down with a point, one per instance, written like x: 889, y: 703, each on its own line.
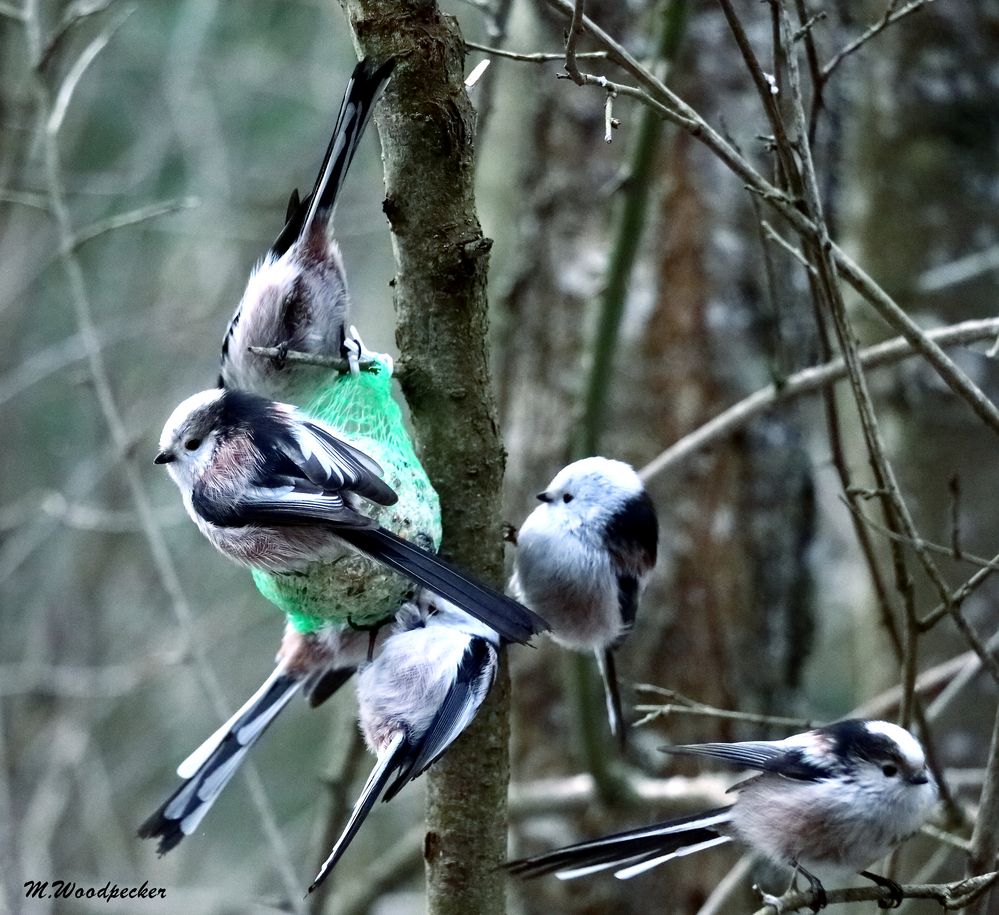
x: 835, y: 799
x: 296, y: 298
x: 583, y: 557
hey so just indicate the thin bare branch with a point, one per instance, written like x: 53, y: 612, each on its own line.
x: 52, y: 113
x: 72, y: 16
x: 577, y: 793
x: 958, y: 271
x: 575, y: 30
x: 72, y: 79
x: 684, y: 705
x: 891, y: 16
x: 132, y: 217
x: 280, y: 356
x: 951, y: 896
x: 985, y: 837
x: 676, y: 110
x: 537, y: 57
x: 25, y: 199
x: 807, y: 381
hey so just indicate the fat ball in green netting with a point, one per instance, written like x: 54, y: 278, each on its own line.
x: 354, y: 589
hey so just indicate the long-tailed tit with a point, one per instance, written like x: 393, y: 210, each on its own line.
x: 296, y: 297
x: 421, y: 691
x: 316, y: 665
x: 583, y: 557
x: 837, y: 799
x: 277, y: 491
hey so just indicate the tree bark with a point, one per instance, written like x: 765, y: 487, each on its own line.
x: 426, y: 125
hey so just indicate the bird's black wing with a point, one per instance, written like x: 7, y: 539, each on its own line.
x: 471, y: 685
x: 330, y: 462
x: 632, y: 536
x: 766, y: 756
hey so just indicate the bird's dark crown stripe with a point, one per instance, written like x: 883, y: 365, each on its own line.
x: 853, y: 739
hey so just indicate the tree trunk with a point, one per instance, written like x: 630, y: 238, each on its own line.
x: 427, y: 126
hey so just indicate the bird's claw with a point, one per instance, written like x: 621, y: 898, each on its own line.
x: 894, y: 888
x: 769, y: 899
x: 356, y: 351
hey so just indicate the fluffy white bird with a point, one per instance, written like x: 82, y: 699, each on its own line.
x: 834, y: 799
x: 276, y: 490
x: 583, y: 557
x: 421, y: 691
x: 296, y: 297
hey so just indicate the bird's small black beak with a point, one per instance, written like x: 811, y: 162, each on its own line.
x: 920, y: 778
x: 544, y: 497
x: 164, y: 457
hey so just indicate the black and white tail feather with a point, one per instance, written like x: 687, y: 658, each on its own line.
x: 363, y: 90
x: 496, y: 610
x: 630, y: 853
x: 612, y: 694
x: 212, y: 765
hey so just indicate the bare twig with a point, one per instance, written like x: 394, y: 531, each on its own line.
x: 656, y: 94
x: 575, y: 793
x: 951, y: 896
x: 985, y: 837
x: 967, y: 630
x: 365, y: 363
x: 72, y: 79
x: 941, y: 676
x: 536, y: 57
x: 891, y: 16
x: 807, y: 381
x: 610, y: 122
x: 76, y: 682
x: 72, y: 16
x: 720, y: 899
x: 25, y: 199
x: 572, y: 39
x: 684, y: 705
x: 779, y: 239
x: 959, y: 271
x: 131, y: 218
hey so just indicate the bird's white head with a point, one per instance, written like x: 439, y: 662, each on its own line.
x: 591, y: 487
x: 189, y: 437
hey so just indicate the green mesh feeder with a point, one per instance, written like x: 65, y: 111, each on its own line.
x: 354, y: 589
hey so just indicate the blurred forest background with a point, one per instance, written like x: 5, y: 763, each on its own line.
x: 147, y: 155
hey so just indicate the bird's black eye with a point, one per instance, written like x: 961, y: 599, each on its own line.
x: 567, y: 497
x: 192, y: 444
x: 890, y: 770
